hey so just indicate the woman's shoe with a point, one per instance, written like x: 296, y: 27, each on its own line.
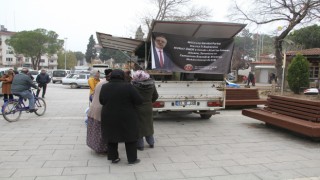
x: 151, y: 145
x: 140, y: 148
x: 134, y: 162
x: 115, y: 160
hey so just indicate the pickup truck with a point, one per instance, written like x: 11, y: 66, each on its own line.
x: 76, y: 80
x: 200, y: 54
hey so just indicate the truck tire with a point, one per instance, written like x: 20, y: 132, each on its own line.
x: 205, y: 116
x: 74, y: 86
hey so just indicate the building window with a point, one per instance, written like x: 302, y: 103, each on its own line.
x: 51, y: 61
x: 27, y: 60
x: 42, y: 60
x: 314, y: 72
x: 9, y: 52
x: 9, y: 59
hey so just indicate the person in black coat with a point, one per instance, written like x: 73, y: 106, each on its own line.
x: 42, y: 79
x: 119, y: 118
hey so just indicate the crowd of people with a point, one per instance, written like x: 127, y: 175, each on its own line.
x: 120, y: 108
x: 19, y: 84
x: 121, y: 112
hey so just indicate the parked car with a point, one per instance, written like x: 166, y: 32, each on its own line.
x: 76, y: 80
x: 34, y: 74
x: 311, y: 91
x: 232, y: 85
x: 58, y: 74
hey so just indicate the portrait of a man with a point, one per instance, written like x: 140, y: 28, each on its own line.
x: 161, y: 60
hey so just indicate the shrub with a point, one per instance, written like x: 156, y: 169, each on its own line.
x: 298, y: 73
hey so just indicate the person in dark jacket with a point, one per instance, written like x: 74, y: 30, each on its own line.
x: 119, y: 119
x: 42, y: 79
x: 21, y: 85
x: 251, y: 79
x: 145, y: 86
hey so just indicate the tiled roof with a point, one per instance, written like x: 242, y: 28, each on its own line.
x: 7, y: 33
x: 314, y: 51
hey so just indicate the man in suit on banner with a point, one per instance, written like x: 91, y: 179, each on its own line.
x: 161, y: 59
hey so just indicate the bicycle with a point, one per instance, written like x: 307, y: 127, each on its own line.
x: 12, y: 109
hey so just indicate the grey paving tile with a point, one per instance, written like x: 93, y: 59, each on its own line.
x: 310, y: 163
x: 284, y: 166
x: 159, y: 175
x: 123, y: 167
x: 18, y: 178
x: 6, y: 153
x: 6, y: 172
x: 76, y: 177
x: 213, y: 164
x: 13, y: 158
x: 237, y: 177
x: 245, y: 169
x: 85, y: 170
x: 21, y: 165
x: 192, y: 173
x: 38, y: 172
x: 67, y: 163
x: 116, y: 176
x: 309, y: 172
x: 175, y: 166
x: 257, y: 160
x: 285, y: 174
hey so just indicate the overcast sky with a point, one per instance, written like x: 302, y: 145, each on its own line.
x: 78, y: 20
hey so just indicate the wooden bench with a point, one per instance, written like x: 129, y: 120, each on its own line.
x: 243, y: 97
x: 298, y: 115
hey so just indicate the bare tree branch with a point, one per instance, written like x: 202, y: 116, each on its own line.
x: 289, y: 12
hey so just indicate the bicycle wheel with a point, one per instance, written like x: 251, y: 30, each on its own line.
x: 41, y: 105
x: 11, y: 112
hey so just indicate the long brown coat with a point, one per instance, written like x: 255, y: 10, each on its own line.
x: 149, y: 93
x: 6, y: 83
x: 119, y: 118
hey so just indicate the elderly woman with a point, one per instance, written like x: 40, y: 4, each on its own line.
x: 145, y: 86
x: 6, y: 85
x: 119, y: 119
x: 93, y: 81
x: 94, y: 137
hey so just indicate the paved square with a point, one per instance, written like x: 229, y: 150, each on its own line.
x: 227, y: 146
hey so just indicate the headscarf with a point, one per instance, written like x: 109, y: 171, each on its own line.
x: 140, y: 76
x: 117, y: 74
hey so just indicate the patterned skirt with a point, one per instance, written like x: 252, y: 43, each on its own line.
x: 94, y: 137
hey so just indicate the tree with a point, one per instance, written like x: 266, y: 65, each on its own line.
x: 298, y: 73
x: 91, y: 52
x: 288, y: 12
x: 307, y: 37
x: 35, y: 43
x: 180, y: 10
x: 71, y: 60
x: 117, y: 55
x: 79, y: 55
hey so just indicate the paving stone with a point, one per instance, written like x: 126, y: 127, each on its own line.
x: 38, y: 172
x: 159, y: 175
x: 237, y: 177
x: 285, y: 174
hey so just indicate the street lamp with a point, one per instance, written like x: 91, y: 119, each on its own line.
x: 65, y: 53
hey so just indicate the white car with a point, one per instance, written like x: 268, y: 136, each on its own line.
x: 76, y: 80
x: 311, y: 91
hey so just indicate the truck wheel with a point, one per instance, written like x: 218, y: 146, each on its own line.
x: 74, y: 86
x: 205, y: 116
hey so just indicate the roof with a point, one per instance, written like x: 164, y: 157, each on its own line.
x: 197, y: 28
x: 310, y: 52
x: 184, y: 28
x: 119, y: 43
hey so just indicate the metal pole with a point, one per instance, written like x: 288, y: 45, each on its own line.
x: 65, y: 53
x: 283, y: 71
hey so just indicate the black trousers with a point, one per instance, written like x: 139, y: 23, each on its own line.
x: 44, y: 88
x: 131, y: 150
x: 5, y: 97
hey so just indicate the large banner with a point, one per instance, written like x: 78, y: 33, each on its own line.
x: 193, y: 55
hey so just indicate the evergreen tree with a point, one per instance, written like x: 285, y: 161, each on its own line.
x: 307, y: 37
x: 298, y: 73
x: 91, y: 52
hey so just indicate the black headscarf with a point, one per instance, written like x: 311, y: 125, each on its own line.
x: 117, y: 74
